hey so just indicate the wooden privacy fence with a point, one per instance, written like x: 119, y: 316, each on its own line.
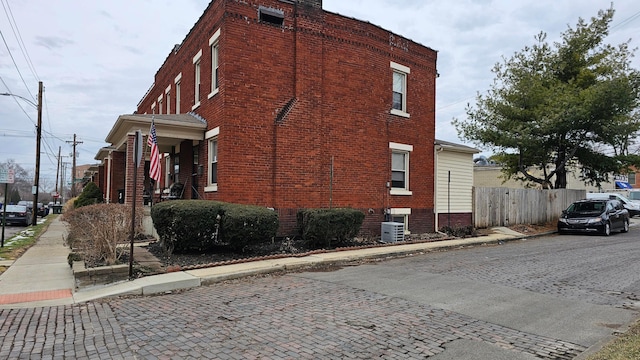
x: 505, y: 206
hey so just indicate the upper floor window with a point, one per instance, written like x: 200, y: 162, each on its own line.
x: 400, y: 168
x: 160, y: 98
x: 197, y: 79
x: 399, y: 103
x: 177, y: 82
x: 167, y: 94
x: 215, y: 75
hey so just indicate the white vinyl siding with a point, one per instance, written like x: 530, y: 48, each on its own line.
x: 454, y: 196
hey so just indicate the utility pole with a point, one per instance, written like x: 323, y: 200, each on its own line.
x: 73, y: 176
x: 36, y: 185
x: 58, y: 175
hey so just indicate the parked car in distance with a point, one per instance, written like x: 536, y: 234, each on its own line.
x: 594, y: 216
x: 40, y: 211
x: 17, y: 214
x: 632, y: 206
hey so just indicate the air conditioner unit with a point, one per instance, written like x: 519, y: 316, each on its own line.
x: 392, y: 232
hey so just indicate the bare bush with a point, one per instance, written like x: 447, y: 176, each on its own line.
x: 95, y: 231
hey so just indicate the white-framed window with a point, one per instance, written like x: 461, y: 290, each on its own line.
x: 212, y: 165
x: 167, y: 94
x: 399, y: 103
x: 160, y: 98
x: 401, y: 215
x: 400, y: 168
x: 632, y: 178
x: 167, y: 166
x: 153, y: 108
x: 197, y: 79
x: 215, y: 75
x: 177, y: 81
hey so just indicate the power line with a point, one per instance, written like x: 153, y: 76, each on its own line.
x: 15, y: 64
x: 18, y: 36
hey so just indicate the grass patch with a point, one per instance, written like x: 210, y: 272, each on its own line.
x: 626, y: 346
x: 16, y: 245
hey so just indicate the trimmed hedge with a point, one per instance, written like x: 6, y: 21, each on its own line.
x: 192, y: 225
x: 319, y: 227
x: 245, y: 225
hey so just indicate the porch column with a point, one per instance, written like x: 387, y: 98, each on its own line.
x: 129, y: 174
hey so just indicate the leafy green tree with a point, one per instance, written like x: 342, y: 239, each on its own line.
x: 91, y: 194
x: 570, y: 105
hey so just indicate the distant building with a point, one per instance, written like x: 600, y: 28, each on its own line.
x: 281, y: 104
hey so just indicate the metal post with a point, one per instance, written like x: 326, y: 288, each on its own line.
x: 4, y: 212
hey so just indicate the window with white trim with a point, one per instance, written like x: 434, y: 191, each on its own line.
x: 400, y: 168
x: 177, y: 82
x: 632, y: 178
x: 212, y: 162
x: 167, y: 166
x: 399, y: 91
x: 153, y: 108
x: 215, y: 75
x: 197, y: 79
x: 401, y: 215
x: 167, y: 94
x: 160, y: 98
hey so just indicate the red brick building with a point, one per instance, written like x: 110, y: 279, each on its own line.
x: 281, y: 104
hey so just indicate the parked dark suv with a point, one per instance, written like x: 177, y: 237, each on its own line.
x: 598, y: 216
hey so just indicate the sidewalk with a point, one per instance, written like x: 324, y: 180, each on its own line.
x: 42, y: 276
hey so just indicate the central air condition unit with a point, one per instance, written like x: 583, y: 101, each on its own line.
x: 392, y: 232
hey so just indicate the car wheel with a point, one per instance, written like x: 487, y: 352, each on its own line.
x: 606, y: 231
x: 626, y: 226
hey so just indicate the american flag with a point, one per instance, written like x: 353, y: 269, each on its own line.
x: 152, y: 140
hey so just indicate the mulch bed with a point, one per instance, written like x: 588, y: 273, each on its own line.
x: 276, y: 249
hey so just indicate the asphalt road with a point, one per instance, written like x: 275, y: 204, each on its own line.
x: 9, y: 231
x: 552, y: 297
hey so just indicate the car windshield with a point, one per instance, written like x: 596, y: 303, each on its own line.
x: 634, y: 195
x: 587, y: 207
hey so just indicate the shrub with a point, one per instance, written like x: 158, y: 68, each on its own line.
x: 319, y: 227
x: 246, y: 225
x: 91, y: 194
x: 460, y: 231
x: 68, y: 206
x: 192, y: 225
x: 95, y: 231
x: 187, y: 225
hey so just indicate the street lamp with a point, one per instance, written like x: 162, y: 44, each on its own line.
x: 36, y: 185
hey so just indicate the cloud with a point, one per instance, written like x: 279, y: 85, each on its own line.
x: 52, y: 42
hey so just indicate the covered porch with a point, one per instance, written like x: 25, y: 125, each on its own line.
x: 179, y: 137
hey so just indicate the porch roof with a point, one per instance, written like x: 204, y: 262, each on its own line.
x: 171, y: 129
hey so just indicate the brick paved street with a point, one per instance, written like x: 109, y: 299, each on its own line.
x: 281, y: 317
x: 359, y: 312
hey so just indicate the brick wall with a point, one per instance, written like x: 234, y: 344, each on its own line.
x: 118, y: 173
x: 456, y: 220
x: 330, y: 147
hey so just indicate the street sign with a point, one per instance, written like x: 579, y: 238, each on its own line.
x: 7, y: 176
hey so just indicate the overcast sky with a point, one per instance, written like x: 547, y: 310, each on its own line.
x: 98, y: 58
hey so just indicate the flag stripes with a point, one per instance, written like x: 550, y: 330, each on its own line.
x: 152, y: 140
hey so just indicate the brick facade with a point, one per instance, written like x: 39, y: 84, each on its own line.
x: 303, y: 111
